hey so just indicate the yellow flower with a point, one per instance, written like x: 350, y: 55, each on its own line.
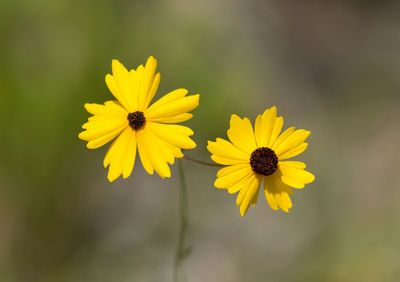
x: 139, y: 125
x: 258, y: 155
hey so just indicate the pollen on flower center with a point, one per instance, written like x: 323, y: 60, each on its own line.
x: 136, y: 120
x: 264, y: 161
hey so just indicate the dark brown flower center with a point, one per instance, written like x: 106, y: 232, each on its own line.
x: 264, y: 161
x: 136, y: 120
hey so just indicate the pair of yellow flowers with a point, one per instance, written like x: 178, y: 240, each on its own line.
x: 251, y: 156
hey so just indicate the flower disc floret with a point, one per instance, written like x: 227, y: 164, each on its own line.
x: 136, y: 120
x: 264, y: 161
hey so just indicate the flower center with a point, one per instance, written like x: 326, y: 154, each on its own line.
x: 264, y: 161
x: 136, y: 120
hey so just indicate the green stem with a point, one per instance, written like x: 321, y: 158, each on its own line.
x: 181, y: 251
x: 201, y: 162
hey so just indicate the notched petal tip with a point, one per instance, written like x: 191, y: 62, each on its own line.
x: 112, y: 179
x: 166, y: 176
x: 274, y: 110
x: 115, y: 62
x: 151, y: 59
x: 234, y: 116
x: 108, y: 77
x: 210, y: 144
x: 196, y: 97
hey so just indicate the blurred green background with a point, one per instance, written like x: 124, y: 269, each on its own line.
x: 332, y: 67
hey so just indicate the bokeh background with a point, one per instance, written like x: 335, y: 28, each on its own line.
x: 332, y: 67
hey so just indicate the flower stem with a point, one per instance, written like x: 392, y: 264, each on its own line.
x: 181, y: 251
x: 201, y: 162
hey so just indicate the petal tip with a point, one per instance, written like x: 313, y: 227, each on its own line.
x: 234, y: 116
x: 86, y: 106
x: 89, y: 145
x: 151, y: 59
x: 112, y: 178
x: 81, y: 135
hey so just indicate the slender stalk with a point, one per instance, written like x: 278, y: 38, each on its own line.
x: 181, y: 251
x: 201, y: 162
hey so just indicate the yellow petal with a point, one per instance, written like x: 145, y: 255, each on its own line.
x: 168, y: 98
x: 241, y: 184
x: 173, y: 119
x: 295, y: 176
x: 164, y: 150
x: 109, y: 109
x: 255, y: 198
x: 108, y: 121
x: 277, y: 193
x: 282, y: 137
x: 228, y: 180
x: 119, y: 155
x: 97, y: 143
x: 229, y: 169
x: 241, y: 134
x: 264, y: 126
x: 153, y: 152
x: 225, y: 161
x: 153, y: 90
x: 136, y: 84
x: 176, y: 135
x: 243, y: 190
x: 294, y: 152
x: 227, y: 150
x: 168, y: 151
x: 98, y: 129
x: 146, y: 75
x: 144, y: 157
x: 120, y: 84
x: 291, y: 142
x: 173, y: 108
x: 130, y: 156
x: 250, y: 194
x: 275, y: 131
x: 293, y: 164
x: 259, y: 131
x: 92, y: 121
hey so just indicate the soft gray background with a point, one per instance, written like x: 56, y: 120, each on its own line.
x: 332, y: 67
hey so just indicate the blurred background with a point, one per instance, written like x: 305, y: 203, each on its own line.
x: 332, y: 67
